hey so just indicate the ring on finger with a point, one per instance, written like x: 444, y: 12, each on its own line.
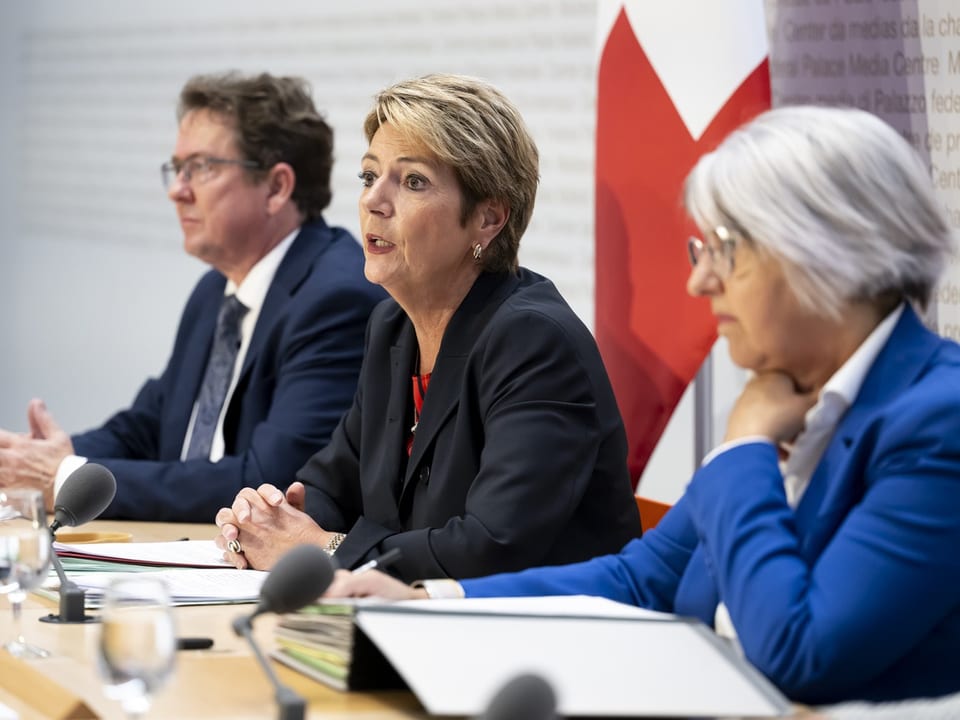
x: 234, y: 546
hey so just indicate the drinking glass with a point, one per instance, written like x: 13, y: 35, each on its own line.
x: 137, y: 647
x: 24, y: 558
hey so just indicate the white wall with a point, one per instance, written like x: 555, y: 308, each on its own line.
x: 93, y: 276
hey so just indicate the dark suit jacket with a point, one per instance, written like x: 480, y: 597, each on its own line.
x: 856, y: 594
x: 298, y: 377
x: 520, y: 455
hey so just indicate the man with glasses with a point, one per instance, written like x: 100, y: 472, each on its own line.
x: 269, y: 346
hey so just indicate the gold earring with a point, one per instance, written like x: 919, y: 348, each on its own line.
x: 477, y: 250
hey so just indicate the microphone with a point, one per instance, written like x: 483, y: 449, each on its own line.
x: 525, y: 697
x: 84, y: 495
x: 298, y: 578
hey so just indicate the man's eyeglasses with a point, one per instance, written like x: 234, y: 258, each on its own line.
x: 719, y: 257
x: 199, y: 168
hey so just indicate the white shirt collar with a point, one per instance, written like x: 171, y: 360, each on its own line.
x: 835, y: 398
x: 253, y: 290
x: 847, y: 381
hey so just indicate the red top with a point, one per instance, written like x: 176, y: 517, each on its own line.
x: 420, y: 384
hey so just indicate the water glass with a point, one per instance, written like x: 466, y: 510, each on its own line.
x: 25, y: 557
x: 137, y: 648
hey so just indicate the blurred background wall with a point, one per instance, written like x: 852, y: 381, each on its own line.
x: 93, y: 275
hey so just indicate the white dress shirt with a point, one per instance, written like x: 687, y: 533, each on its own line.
x: 820, y: 422
x: 251, y: 292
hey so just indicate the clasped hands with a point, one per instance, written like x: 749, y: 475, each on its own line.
x: 266, y: 523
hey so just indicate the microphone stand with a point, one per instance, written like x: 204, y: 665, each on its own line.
x: 72, y: 596
x: 291, y: 706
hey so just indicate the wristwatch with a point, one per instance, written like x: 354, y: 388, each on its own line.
x: 331, y: 547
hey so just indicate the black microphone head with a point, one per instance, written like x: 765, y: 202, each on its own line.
x: 525, y: 697
x: 84, y: 495
x: 299, y: 577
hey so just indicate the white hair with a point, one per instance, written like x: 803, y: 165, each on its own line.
x: 835, y: 194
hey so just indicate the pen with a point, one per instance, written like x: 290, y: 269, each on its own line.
x: 194, y: 643
x: 388, y: 558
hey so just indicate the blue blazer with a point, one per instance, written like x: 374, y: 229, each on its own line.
x: 520, y: 455
x: 298, y: 377
x: 856, y: 594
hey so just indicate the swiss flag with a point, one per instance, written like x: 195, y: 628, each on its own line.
x: 663, y: 100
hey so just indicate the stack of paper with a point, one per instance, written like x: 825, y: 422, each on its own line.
x: 318, y: 641
x: 323, y: 642
x: 179, y: 553
x: 187, y: 586
x: 194, y: 571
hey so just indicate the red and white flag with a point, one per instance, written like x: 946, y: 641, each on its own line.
x: 675, y: 77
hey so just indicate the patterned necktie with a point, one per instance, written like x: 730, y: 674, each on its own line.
x: 216, y: 379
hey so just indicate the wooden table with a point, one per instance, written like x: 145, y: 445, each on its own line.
x: 225, y: 681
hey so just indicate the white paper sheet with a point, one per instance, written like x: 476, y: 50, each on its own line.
x: 183, y: 553
x: 563, y: 605
x: 186, y: 585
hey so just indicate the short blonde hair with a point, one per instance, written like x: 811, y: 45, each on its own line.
x: 837, y: 195
x: 473, y: 128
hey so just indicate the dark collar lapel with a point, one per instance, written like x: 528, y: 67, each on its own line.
x: 293, y: 270
x: 487, y: 294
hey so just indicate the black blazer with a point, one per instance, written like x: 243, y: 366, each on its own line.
x: 298, y: 377
x: 520, y: 455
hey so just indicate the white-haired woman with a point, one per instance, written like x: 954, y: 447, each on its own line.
x: 823, y: 532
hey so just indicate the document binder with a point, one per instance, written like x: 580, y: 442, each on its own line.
x: 602, y: 658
